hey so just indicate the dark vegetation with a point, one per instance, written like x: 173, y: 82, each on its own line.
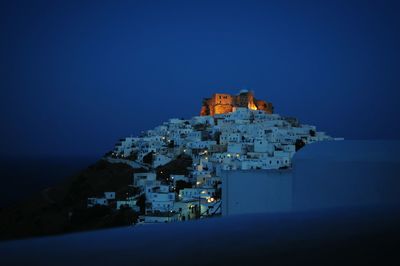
x: 200, y: 127
x: 216, y: 136
x: 62, y: 209
x: 179, y: 166
x: 181, y: 184
x: 133, y: 156
x: 299, y: 144
x: 148, y: 158
x: 100, y: 217
x: 141, y: 202
x: 218, y: 190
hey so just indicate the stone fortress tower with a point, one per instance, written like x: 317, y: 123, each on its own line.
x: 221, y: 103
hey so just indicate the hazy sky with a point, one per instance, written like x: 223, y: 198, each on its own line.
x: 77, y: 76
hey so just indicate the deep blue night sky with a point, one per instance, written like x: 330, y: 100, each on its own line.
x: 76, y: 77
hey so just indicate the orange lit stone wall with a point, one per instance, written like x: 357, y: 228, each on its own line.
x: 222, y: 99
x: 222, y: 108
x: 221, y: 103
x: 263, y: 105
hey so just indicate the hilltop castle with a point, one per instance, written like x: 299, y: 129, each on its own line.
x: 221, y: 103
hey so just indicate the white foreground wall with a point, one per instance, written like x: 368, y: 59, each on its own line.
x: 325, y: 175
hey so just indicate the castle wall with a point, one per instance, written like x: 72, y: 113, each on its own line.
x: 221, y: 103
x: 224, y: 99
x: 264, y: 106
x: 222, y: 108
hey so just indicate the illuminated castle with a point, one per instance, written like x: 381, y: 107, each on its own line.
x: 221, y: 103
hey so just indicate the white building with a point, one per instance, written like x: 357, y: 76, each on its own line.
x: 176, y: 178
x: 263, y: 145
x: 160, y: 159
x: 91, y: 202
x: 189, y: 194
x: 160, y: 218
x: 128, y: 203
x: 102, y: 201
x: 139, y: 179
x: 109, y: 195
x: 159, y: 199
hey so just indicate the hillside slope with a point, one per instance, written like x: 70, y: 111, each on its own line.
x: 62, y: 208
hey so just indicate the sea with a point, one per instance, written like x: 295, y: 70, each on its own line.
x: 22, y: 177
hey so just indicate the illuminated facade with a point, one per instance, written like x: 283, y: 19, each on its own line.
x: 221, y: 103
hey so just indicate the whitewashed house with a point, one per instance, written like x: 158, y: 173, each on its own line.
x: 160, y: 199
x: 160, y: 159
x: 109, y: 195
x: 102, y: 201
x: 128, y: 203
x: 91, y: 202
x: 160, y: 218
x: 176, y: 178
x: 139, y: 179
x: 189, y: 194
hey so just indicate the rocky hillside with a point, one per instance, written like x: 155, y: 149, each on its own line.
x: 63, y: 209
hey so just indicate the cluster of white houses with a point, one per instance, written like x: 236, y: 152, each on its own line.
x: 240, y: 140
